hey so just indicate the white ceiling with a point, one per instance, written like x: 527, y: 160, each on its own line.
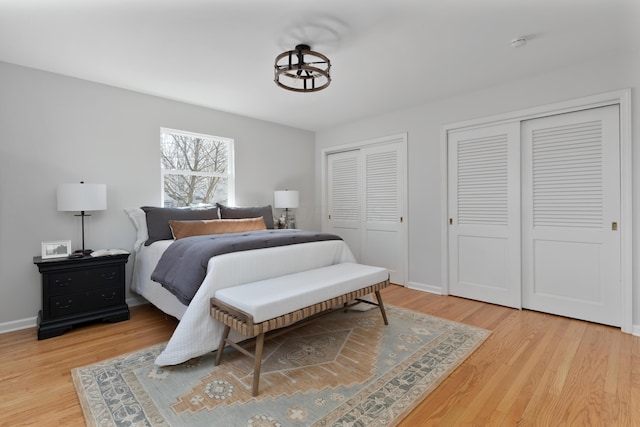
x: 385, y: 55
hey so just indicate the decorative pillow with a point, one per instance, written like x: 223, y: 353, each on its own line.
x: 158, y: 220
x: 234, y: 212
x: 181, y: 229
x: 139, y: 219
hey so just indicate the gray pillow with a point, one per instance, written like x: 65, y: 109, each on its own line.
x: 158, y: 220
x: 235, y: 212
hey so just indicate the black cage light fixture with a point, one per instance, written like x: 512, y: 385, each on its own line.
x: 302, y: 70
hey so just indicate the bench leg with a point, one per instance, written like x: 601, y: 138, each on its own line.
x: 381, y: 306
x: 223, y: 340
x: 257, y: 363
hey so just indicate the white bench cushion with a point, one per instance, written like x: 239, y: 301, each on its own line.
x: 267, y: 299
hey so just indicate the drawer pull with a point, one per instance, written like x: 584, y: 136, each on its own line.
x: 67, y: 282
x: 109, y: 276
x: 64, y: 306
x: 109, y: 298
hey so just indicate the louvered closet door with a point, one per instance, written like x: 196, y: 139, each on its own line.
x: 366, y: 200
x: 343, y: 188
x: 383, y: 222
x: 484, y: 210
x: 571, y: 200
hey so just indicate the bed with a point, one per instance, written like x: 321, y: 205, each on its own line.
x: 197, y: 333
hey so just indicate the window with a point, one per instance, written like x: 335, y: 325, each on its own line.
x: 197, y: 170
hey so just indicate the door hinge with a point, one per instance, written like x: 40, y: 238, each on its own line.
x: 450, y: 221
x: 614, y: 226
x: 401, y: 219
x: 329, y: 216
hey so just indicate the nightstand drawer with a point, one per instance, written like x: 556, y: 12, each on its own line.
x: 65, y: 305
x: 68, y: 282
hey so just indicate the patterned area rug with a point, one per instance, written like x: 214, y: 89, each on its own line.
x: 346, y: 369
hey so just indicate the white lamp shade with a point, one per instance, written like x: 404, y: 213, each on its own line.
x: 286, y: 199
x: 82, y: 197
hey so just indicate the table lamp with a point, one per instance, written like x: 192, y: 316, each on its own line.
x: 285, y: 199
x: 82, y: 197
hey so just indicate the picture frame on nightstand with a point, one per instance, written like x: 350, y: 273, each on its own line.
x: 56, y: 249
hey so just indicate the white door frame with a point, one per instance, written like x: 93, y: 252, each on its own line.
x: 402, y: 139
x: 619, y: 97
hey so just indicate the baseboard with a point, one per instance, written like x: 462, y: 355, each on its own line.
x: 16, y: 325
x: 635, y: 331
x: 425, y: 288
x: 133, y: 301
x: 32, y: 322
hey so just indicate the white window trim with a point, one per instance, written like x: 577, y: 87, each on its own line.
x: 230, y: 175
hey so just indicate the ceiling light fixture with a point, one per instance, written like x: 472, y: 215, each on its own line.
x: 302, y: 70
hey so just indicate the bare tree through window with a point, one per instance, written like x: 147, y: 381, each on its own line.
x: 196, y: 169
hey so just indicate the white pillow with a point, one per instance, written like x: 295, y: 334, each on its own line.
x: 139, y: 219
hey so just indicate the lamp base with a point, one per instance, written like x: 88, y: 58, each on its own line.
x: 290, y: 221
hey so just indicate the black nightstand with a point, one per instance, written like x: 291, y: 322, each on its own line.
x: 81, y: 290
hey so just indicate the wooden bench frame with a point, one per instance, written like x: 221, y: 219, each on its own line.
x: 243, y: 322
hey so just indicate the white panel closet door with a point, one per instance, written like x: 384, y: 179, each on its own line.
x: 366, y: 200
x: 383, y: 239
x: 484, y: 210
x: 571, y: 200
x: 343, y: 187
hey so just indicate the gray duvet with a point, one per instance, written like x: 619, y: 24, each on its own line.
x: 183, y: 265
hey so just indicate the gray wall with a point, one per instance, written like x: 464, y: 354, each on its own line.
x: 424, y: 124
x: 56, y: 129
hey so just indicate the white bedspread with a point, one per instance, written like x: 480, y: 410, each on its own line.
x: 146, y: 259
x: 197, y: 333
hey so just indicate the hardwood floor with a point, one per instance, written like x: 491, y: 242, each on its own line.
x: 534, y: 369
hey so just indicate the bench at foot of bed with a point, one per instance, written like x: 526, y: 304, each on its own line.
x: 256, y: 308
